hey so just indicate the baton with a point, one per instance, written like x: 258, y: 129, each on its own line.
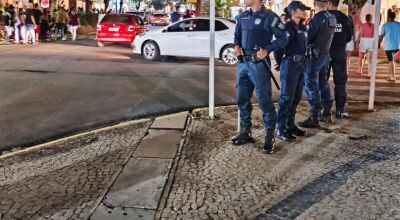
x: 266, y: 65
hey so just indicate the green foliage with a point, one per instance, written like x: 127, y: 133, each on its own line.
x: 219, y: 7
x: 83, y: 19
x: 157, y: 4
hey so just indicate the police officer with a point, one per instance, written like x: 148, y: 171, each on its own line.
x: 292, y: 72
x: 320, y: 34
x: 256, y: 28
x: 343, y: 35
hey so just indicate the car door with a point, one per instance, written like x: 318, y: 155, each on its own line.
x: 201, y: 36
x: 176, y: 40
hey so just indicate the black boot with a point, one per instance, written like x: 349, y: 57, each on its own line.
x: 296, y: 131
x: 286, y: 136
x: 342, y: 115
x: 340, y: 104
x: 326, y: 117
x: 269, y: 145
x: 244, y: 137
x: 310, y: 122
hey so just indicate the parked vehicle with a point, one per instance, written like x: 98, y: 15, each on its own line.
x: 159, y: 19
x: 119, y: 28
x: 143, y: 15
x: 188, y: 38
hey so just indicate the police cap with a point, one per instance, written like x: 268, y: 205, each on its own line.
x: 297, y: 5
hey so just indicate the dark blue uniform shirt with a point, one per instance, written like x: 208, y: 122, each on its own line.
x: 343, y: 31
x: 257, y: 29
x: 297, y: 39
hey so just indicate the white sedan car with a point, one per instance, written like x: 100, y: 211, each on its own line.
x: 188, y: 38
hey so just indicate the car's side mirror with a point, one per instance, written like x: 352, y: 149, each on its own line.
x: 165, y: 30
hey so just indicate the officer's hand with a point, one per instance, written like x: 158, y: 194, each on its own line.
x: 262, y: 54
x: 277, y: 68
x: 238, y: 51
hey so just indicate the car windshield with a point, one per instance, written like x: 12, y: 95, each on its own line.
x: 116, y: 19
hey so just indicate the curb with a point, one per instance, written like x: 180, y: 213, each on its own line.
x: 70, y: 138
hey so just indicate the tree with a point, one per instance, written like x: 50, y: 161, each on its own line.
x: 157, y: 4
x: 219, y: 8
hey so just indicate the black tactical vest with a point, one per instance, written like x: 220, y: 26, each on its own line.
x: 324, y: 37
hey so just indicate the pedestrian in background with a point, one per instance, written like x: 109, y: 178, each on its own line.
x: 256, y: 28
x: 357, y: 27
x: 74, y: 24
x: 338, y: 64
x: 366, y: 42
x: 61, y: 19
x: 175, y: 16
x: 237, y: 17
x: 187, y: 14
x: 292, y: 72
x: 390, y: 34
x: 320, y: 34
x: 19, y: 32
x: 37, y: 14
x: 3, y: 19
x: 30, y: 25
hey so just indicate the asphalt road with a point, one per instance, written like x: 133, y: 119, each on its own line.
x: 60, y: 88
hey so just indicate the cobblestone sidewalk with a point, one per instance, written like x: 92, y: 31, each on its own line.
x: 66, y: 181
x: 349, y: 170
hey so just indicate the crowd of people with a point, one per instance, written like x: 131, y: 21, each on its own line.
x: 31, y: 24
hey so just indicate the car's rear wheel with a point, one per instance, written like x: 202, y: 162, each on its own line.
x: 100, y: 44
x: 151, y: 51
x: 228, y: 55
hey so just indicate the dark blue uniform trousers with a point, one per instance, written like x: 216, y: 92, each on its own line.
x: 255, y: 76
x: 292, y: 80
x: 339, y: 66
x: 316, y: 84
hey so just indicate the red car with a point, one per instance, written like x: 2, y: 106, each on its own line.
x: 119, y: 28
x: 159, y: 19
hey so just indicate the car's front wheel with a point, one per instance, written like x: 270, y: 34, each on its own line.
x: 228, y: 55
x: 151, y: 51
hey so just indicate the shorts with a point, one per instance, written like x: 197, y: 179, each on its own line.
x: 390, y: 53
x: 366, y: 44
x: 37, y: 29
x: 9, y: 30
x: 350, y: 45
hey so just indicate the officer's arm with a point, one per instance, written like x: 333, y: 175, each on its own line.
x: 313, y: 28
x: 238, y: 34
x: 281, y: 52
x: 275, y: 25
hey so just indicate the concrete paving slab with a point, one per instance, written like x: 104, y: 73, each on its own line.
x: 118, y: 213
x: 159, y: 144
x: 140, y: 183
x: 174, y: 121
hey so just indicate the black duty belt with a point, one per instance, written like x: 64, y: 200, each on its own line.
x: 297, y: 58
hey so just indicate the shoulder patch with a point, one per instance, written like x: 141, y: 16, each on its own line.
x: 274, y: 22
x: 281, y: 26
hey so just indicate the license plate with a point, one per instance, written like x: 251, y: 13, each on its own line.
x: 114, y: 29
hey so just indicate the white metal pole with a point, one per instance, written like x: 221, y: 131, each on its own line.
x: 374, y: 59
x: 211, y: 95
